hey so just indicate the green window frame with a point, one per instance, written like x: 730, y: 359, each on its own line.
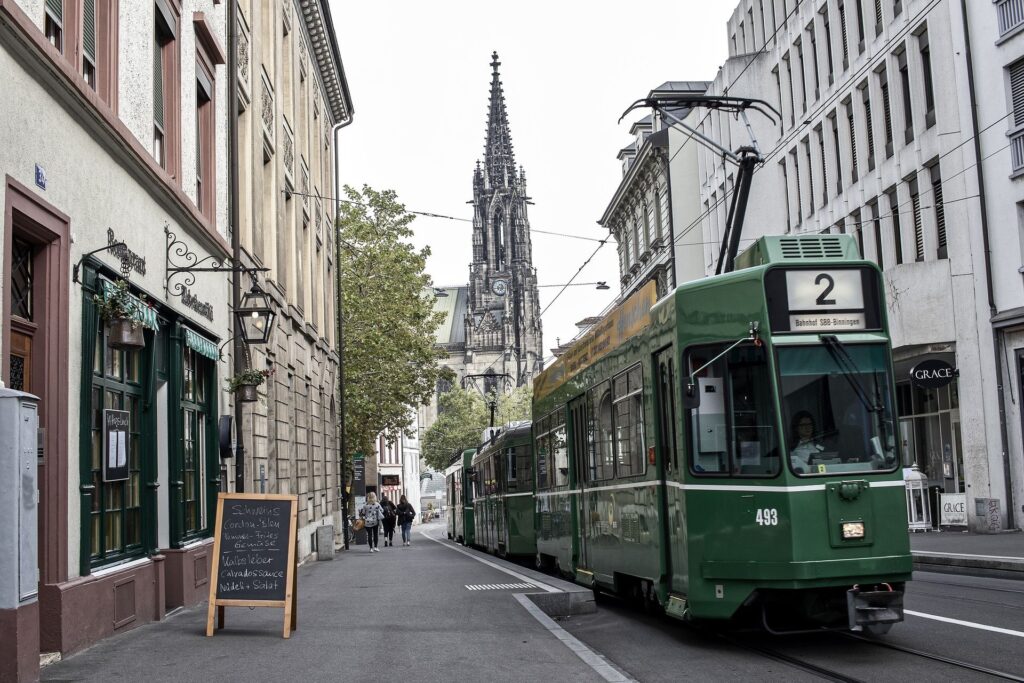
x: 115, y: 517
x: 118, y: 519
x: 194, y: 462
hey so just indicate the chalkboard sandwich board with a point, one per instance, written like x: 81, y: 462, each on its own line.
x: 254, y: 555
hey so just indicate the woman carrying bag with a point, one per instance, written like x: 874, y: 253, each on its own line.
x: 372, y: 515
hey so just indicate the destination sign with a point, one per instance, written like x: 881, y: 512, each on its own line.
x: 830, y: 299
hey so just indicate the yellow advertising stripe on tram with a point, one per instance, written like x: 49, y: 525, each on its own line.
x: 625, y: 321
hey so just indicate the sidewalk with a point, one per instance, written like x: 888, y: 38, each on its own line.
x: 955, y: 552
x: 401, y: 614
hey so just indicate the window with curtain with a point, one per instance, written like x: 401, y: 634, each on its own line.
x: 193, y: 443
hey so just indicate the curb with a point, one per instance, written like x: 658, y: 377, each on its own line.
x: 972, y: 565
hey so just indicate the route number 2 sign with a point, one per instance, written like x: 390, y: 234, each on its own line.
x: 825, y: 300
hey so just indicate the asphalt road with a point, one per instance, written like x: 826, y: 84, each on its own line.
x: 408, y: 614
x: 660, y: 649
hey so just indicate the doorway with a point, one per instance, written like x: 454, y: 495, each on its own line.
x: 36, y: 253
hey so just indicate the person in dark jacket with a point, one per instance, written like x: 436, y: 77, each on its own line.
x: 390, y: 517
x: 406, y: 514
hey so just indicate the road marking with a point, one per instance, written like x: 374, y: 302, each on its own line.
x: 521, y: 577
x: 497, y: 586
x: 595, y: 661
x: 969, y: 624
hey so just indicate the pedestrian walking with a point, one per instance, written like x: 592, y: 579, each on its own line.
x: 390, y: 517
x: 372, y: 514
x: 406, y: 514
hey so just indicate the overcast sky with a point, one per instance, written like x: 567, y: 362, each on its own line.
x: 419, y: 73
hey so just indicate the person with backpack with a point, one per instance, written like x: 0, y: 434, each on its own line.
x: 372, y: 514
x: 390, y: 516
x: 406, y: 515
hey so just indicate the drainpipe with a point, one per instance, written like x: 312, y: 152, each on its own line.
x: 996, y: 335
x: 236, y: 239
x: 340, y: 330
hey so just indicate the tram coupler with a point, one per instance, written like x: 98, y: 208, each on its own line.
x: 868, y: 608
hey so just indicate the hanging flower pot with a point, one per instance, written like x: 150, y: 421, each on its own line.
x: 244, y: 384
x: 247, y: 393
x: 120, y: 311
x: 125, y: 334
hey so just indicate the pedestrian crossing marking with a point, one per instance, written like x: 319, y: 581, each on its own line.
x: 498, y: 586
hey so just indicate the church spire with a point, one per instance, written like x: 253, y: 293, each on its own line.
x: 499, y: 159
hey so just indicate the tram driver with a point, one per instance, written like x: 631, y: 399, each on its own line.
x: 804, y: 445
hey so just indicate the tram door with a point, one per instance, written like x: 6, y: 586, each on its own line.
x: 578, y: 424
x: 668, y: 426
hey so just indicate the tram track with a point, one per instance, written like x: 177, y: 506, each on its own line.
x: 960, y: 664
x: 795, y: 662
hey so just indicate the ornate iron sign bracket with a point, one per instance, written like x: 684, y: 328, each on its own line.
x: 184, y: 263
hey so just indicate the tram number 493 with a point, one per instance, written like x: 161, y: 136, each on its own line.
x: 767, y: 517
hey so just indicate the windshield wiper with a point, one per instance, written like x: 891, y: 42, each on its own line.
x: 850, y: 370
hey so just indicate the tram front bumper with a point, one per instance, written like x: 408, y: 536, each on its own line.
x: 868, y: 608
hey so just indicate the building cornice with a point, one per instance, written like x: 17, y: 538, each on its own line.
x: 57, y: 75
x: 323, y: 42
x: 654, y: 141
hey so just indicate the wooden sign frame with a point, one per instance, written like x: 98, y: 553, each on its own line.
x: 290, y: 602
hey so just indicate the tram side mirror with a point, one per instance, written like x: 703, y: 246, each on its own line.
x: 691, y: 396
x: 471, y: 473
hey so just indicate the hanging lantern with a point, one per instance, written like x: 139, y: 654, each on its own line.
x: 255, y: 317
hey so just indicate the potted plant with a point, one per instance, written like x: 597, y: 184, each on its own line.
x: 244, y: 383
x: 117, y: 308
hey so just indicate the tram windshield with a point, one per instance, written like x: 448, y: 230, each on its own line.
x: 837, y: 408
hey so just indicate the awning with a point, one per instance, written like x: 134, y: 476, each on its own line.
x: 141, y: 312
x: 201, y: 345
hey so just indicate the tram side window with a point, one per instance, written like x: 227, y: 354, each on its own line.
x: 601, y: 455
x: 629, y: 423
x: 524, y: 468
x: 510, y: 469
x: 559, y: 448
x: 733, y: 428
x: 543, y: 479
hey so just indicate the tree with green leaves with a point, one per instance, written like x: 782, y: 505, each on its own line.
x: 387, y: 318
x: 463, y: 414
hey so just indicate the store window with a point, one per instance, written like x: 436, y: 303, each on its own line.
x: 116, y: 515
x: 930, y: 431
x: 197, y: 459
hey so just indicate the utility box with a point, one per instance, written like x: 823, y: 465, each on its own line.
x: 19, y: 532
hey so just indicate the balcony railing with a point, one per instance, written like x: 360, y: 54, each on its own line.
x: 1017, y: 151
x: 1011, y: 15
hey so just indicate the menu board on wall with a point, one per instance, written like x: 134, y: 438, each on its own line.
x: 116, y: 447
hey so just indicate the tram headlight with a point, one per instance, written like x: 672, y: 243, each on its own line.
x: 853, y: 530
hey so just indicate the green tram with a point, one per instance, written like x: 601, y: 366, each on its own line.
x: 503, y: 508
x: 731, y: 449
x: 459, y: 515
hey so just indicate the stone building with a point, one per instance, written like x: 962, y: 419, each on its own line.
x: 293, y: 94
x: 654, y: 207
x: 880, y: 140
x: 492, y: 328
x: 113, y: 157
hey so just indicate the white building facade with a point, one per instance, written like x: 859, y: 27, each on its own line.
x: 113, y: 149
x: 878, y: 140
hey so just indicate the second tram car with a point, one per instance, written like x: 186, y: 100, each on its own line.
x: 503, y: 509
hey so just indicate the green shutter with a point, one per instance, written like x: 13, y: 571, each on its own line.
x: 158, y: 83
x: 56, y: 9
x: 89, y: 29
